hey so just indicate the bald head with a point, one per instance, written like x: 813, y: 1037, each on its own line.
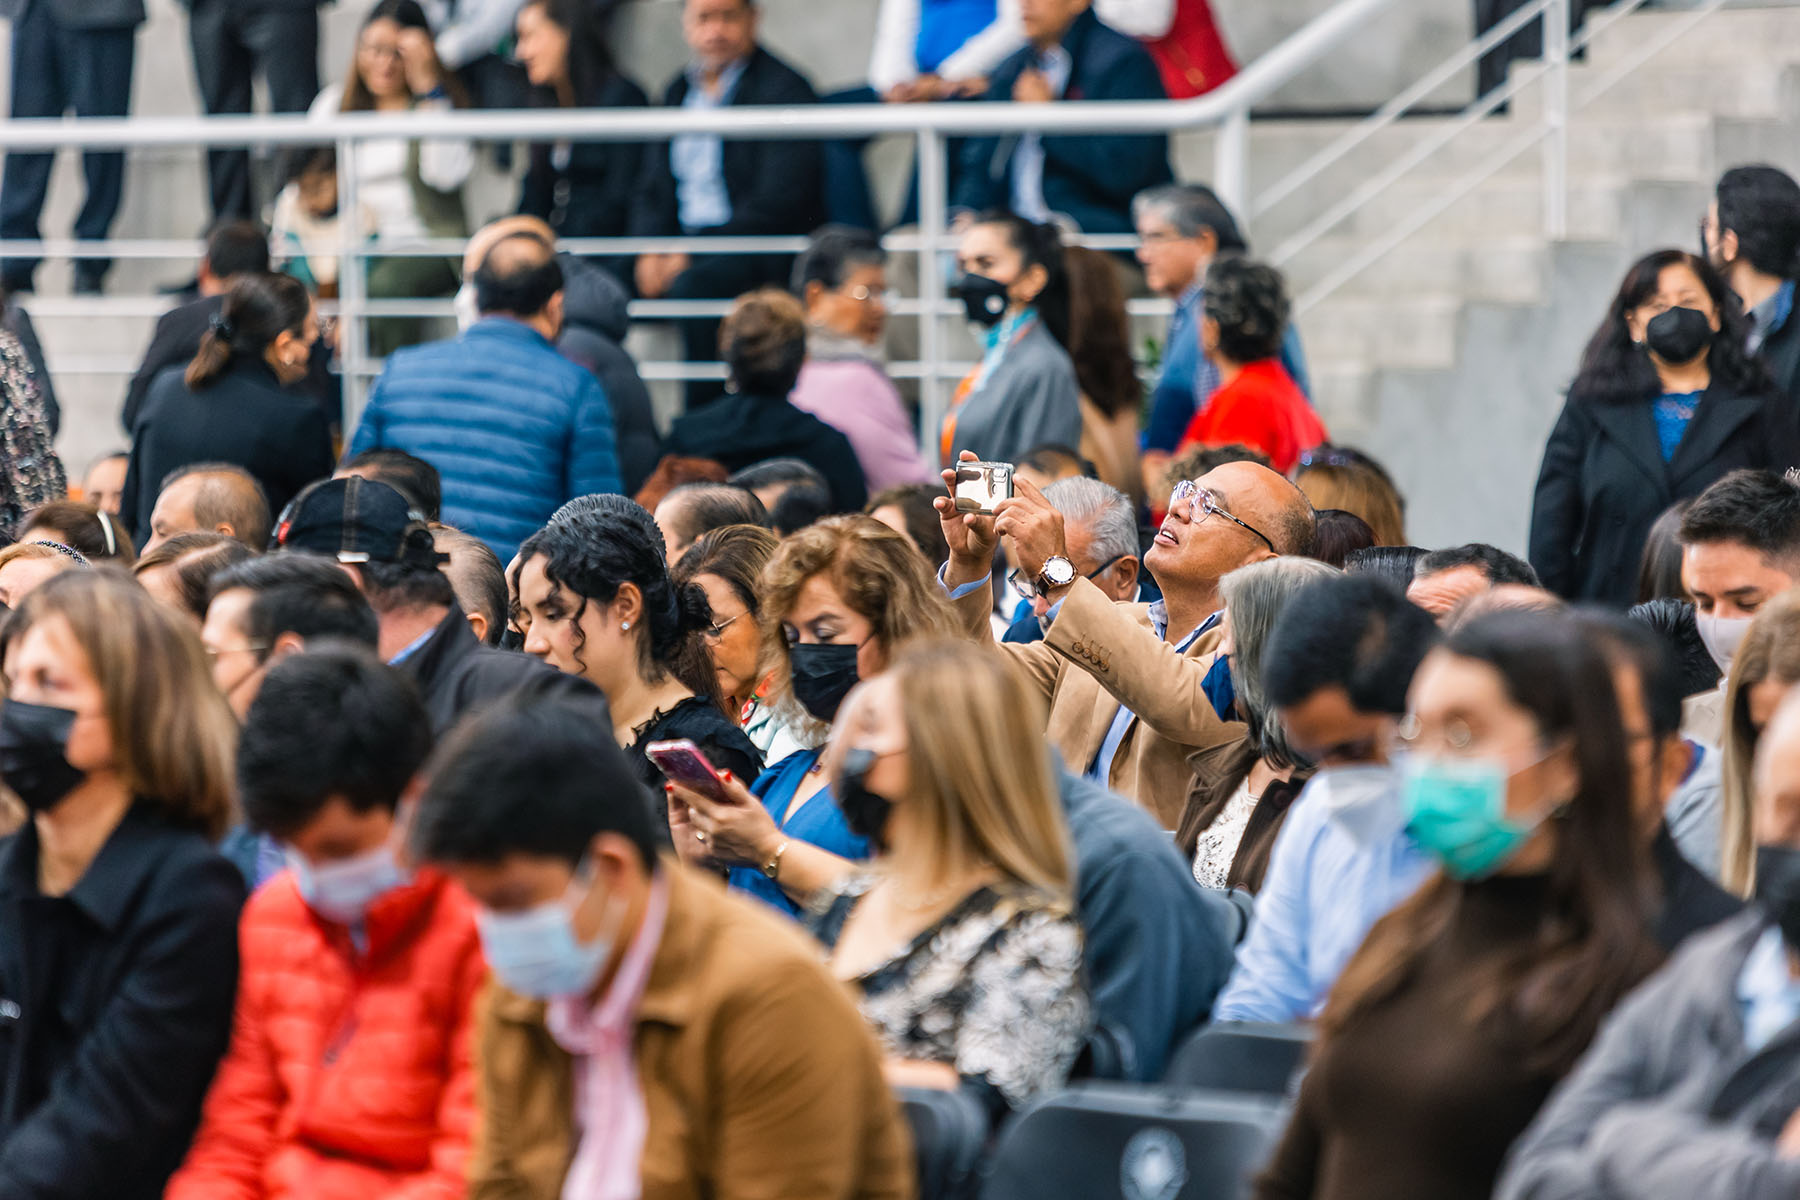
x: 1259, y: 515
x: 488, y: 235
x: 211, y: 498
x: 520, y: 278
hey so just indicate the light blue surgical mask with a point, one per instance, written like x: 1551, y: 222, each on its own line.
x: 342, y: 891
x: 1456, y: 812
x: 536, y: 952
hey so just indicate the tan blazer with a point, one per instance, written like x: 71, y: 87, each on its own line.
x: 760, y: 1078
x: 1100, y: 654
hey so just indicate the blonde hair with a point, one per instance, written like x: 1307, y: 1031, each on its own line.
x: 174, y: 738
x: 1357, y: 489
x: 44, y: 549
x: 878, y: 572
x: 1770, y: 651
x: 982, y: 779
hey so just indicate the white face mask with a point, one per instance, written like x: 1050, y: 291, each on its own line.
x: 1362, y: 800
x: 1722, y: 636
x: 467, y: 311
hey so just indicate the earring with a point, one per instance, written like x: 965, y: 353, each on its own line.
x: 624, y: 624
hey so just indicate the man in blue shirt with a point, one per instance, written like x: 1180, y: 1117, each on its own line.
x: 515, y: 429
x: 1337, y: 668
x: 1181, y: 228
x: 702, y: 184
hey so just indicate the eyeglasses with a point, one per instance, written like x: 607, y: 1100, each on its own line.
x: 1161, y: 237
x: 1330, y: 458
x: 868, y: 295
x: 716, y: 632
x: 213, y: 652
x: 380, y: 50
x: 1026, y: 586
x: 1188, y: 490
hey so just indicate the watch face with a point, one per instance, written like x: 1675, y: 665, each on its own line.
x: 1059, y: 572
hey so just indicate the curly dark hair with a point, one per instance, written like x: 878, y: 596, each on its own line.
x: 591, y: 548
x: 1250, y: 303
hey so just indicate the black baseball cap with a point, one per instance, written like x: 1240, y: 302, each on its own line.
x: 356, y: 520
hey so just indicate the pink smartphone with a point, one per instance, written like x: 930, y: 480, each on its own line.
x: 682, y: 762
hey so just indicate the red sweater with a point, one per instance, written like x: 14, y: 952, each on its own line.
x: 1263, y: 409
x: 349, y: 1074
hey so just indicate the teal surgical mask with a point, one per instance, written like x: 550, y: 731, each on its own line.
x: 1456, y: 812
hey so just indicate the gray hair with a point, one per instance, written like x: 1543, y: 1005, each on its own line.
x: 1254, y: 597
x: 1192, y: 209
x: 1105, y: 511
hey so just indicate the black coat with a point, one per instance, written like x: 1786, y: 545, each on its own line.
x: 776, y: 187
x: 1690, y: 900
x: 115, y: 1008
x: 595, y: 322
x: 1780, y: 353
x: 245, y: 417
x: 176, y: 340
x: 591, y: 195
x: 455, y: 673
x: 1603, y: 482
x: 739, y: 430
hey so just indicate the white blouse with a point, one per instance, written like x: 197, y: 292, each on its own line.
x: 1218, y: 843
x: 382, y: 188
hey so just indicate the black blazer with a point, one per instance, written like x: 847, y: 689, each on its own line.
x: 591, y: 196
x: 776, y: 187
x: 245, y: 418
x: 455, y: 673
x: 1603, y: 482
x: 1780, y: 353
x: 115, y: 1008
x: 176, y: 340
x: 1089, y: 177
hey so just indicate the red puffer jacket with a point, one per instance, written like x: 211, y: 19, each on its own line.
x: 349, y: 1073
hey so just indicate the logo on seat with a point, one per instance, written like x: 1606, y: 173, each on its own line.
x: 1154, y: 1166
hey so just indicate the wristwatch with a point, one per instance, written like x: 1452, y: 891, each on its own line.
x: 1058, y: 572
x: 772, y: 868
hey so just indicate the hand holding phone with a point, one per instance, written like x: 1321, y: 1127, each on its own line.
x: 681, y: 761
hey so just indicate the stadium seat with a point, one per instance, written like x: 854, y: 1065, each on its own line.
x: 1241, y: 1057
x: 950, y: 1131
x: 1109, y: 1141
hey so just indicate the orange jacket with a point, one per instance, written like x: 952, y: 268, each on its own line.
x: 349, y: 1073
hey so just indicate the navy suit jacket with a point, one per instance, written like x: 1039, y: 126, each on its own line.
x: 81, y: 14
x: 1088, y: 177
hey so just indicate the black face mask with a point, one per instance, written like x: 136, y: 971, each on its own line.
x: 823, y: 673
x: 33, y: 740
x: 1678, y: 335
x: 864, y: 811
x: 984, y: 299
x: 1778, y: 888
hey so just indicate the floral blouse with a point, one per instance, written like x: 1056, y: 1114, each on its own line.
x: 994, y: 989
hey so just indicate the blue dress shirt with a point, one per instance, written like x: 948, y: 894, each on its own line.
x: 698, y: 159
x: 1342, y: 861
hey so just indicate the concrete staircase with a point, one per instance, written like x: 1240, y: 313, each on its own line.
x: 1447, y: 359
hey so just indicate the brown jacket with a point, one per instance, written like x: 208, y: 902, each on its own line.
x: 1100, y: 654
x: 1217, y: 774
x: 760, y: 1079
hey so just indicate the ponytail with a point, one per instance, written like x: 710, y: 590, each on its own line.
x: 258, y: 309
x: 1039, y: 245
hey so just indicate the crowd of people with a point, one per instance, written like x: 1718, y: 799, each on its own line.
x: 503, y: 796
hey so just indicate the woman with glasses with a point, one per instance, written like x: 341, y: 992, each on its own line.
x: 405, y: 188
x: 1666, y: 402
x: 596, y: 591
x: 1244, y: 316
x: 1465, y: 1005
x: 839, y: 599
x: 841, y: 279
x: 727, y: 564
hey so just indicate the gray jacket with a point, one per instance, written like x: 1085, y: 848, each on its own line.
x: 593, y: 334
x: 1030, y: 399
x: 1668, y: 1104
x: 81, y: 14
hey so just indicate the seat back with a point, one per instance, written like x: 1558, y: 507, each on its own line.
x: 1241, y: 1057
x: 950, y: 1133
x: 1109, y: 1141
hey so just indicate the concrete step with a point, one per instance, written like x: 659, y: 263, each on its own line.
x: 1390, y: 331
x: 1477, y: 265
x: 1727, y: 38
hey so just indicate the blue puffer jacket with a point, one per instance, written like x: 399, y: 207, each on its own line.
x: 515, y: 429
